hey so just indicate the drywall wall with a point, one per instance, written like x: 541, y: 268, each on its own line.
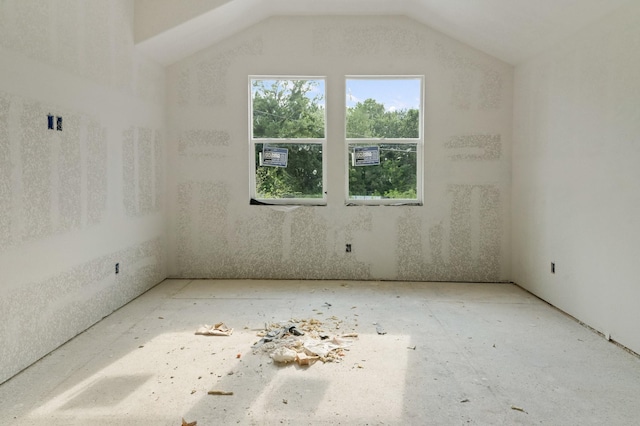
x: 460, y: 233
x: 575, y: 198
x: 152, y: 17
x: 75, y: 202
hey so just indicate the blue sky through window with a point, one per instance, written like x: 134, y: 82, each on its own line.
x: 393, y: 93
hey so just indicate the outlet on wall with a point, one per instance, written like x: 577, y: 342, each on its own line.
x: 117, y: 268
x: 54, y: 122
x: 553, y: 267
x: 348, y: 248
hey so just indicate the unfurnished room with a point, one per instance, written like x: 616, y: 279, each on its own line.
x: 319, y: 212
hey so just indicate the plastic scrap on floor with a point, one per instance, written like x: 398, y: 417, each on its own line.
x: 513, y: 407
x: 270, y: 336
x: 293, y: 330
x: 219, y: 329
x: 184, y: 423
x: 380, y: 330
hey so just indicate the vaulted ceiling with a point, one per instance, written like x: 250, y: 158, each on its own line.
x: 511, y: 30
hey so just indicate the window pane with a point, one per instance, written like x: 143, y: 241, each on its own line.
x: 383, y: 108
x: 301, y: 178
x: 395, y: 177
x: 288, y: 108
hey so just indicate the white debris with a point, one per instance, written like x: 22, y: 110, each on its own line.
x: 284, y: 355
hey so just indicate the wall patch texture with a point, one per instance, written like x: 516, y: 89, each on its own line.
x: 475, y: 82
x: 96, y: 143
x: 199, y: 143
x: 266, y: 243
x: 212, y: 73
x: 476, y: 233
x: 72, y: 301
x: 142, y: 171
x: 490, y: 96
x: 129, y: 172
x: 361, y: 39
x: 62, y: 221
x: 145, y: 170
x: 202, y: 237
x: 36, y: 162
x: 61, y: 180
x: 6, y: 171
x: 411, y: 257
x: 69, y: 181
x: 475, y: 147
x: 459, y: 233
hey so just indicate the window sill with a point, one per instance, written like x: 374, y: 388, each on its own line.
x: 293, y: 202
x: 387, y: 204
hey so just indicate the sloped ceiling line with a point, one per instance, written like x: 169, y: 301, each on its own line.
x: 510, y: 30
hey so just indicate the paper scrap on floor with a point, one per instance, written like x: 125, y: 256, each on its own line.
x: 219, y: 329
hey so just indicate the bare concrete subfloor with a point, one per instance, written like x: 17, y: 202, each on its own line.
x: 453, y: 354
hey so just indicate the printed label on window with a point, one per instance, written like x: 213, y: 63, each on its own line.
x: 274, y: 157
x: 366, y: 156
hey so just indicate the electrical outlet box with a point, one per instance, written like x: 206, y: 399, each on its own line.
x: 348, y: 248
x: 117, y: 268
x: 553, y: 267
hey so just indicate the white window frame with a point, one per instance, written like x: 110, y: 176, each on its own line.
x: 303, y: 141
x: 419, y: 142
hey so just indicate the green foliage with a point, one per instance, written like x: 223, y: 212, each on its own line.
x: 395, y: 177
x: 284, y: 109
x: 302, y: 178
x: 369, y: 119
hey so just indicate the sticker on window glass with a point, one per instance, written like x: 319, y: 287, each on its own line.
x: 274, y: 157
x: 366, y: 156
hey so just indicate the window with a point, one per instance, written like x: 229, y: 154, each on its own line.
x: 288, y: 142
x: 384, y: 140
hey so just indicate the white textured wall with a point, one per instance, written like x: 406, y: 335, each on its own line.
x: 73, y: 203
x: 576, y: 174
x: 461, y: 232
x: 155, y: 16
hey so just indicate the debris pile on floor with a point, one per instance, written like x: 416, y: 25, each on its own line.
x: 303, y: 341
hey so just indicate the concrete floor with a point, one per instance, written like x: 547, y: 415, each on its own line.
x: 488, y: 354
